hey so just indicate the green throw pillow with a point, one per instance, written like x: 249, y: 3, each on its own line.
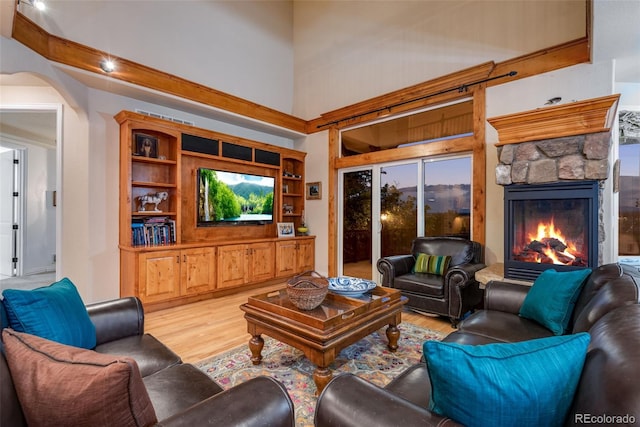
x: 434, y: 264
x: 530, y: 383
x: 552, y: 296
x: 54, y: 312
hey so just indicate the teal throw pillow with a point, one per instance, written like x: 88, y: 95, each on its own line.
x: 529, y: 383
x: 54, y: 312
x: 552, y: 296
x: 434, y: 264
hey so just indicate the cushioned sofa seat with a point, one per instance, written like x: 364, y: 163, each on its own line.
x: 178, y: 387
x: 421, y: 284
x: 149, y: 353
x: 498, y: 326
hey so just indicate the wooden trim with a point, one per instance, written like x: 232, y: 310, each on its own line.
x: 451, y: 146
x: 479, y: 171
x: 86, y: 58
x: 542, y: 61
x: 334, y: 153
x: 576, y: 118
x: 345, y: 116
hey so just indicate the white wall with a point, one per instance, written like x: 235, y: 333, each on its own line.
x: 317, y: 211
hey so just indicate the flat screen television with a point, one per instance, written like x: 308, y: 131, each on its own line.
x: 233, y: 198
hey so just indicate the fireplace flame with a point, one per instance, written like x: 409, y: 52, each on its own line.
x: 548, y: 245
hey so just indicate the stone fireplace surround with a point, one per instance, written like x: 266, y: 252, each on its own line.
x: 580, y: 157
x: 569, y: 142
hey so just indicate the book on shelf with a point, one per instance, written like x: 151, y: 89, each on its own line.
x: 153, y: 231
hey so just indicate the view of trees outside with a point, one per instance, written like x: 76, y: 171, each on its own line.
x: 221, y: 201
x: 357, y: 216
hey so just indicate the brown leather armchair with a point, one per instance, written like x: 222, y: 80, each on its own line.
x: 451, y: 295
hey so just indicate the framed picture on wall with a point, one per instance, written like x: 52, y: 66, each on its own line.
x: 146, y: 145
x: 286, y: 229
x: 314, y: 190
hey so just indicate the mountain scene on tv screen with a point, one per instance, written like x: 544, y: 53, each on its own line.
x: 226, y: 196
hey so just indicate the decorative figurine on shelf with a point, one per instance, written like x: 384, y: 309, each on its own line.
x: 152, y: 199
x: 303, y: 230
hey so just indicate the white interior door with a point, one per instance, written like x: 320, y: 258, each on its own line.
x: 10, y: 174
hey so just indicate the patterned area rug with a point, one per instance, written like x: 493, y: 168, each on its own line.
x: 369, y: 358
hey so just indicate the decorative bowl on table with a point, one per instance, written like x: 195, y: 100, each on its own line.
x: 350, y: 286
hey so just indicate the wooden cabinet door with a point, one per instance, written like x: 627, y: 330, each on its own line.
x: 159, y: 277
x: 306, y: 255
x: 197, y: 270
x: 286, y: 256
x: 261, y: 262
x: 232, y: 265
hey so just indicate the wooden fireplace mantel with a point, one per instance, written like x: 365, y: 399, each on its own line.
x: 576, y: 118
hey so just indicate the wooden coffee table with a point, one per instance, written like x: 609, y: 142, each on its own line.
x: 322, y: 332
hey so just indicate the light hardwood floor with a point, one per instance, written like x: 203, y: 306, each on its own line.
x: 206, y: 328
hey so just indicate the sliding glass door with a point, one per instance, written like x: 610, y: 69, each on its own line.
x: 379, y: 213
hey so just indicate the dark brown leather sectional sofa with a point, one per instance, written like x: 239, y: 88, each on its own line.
x: 607, y: 309
x: 181, y: 394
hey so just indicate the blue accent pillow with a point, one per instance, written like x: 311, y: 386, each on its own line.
x: 552, y: 296
x: 529, y: 383
x: 54, y: 312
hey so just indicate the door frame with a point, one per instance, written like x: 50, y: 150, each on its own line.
x: 58, y: 109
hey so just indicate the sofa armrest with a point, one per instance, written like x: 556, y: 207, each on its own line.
x: 351, y: 401
x: 463, y: 289
x: 463, y: 274
x: 260, y: 401
x: 504, y: 296
x: 116, y: 319
x: 393, y: 266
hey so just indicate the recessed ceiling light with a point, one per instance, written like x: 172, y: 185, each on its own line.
x: 107, y: 65
x: 38, y: 4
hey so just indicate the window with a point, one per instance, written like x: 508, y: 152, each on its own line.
x: 419, y: 128
x: 447, y: 197
x: 629, y: 189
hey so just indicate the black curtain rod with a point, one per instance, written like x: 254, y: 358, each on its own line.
x: 461, y: 88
